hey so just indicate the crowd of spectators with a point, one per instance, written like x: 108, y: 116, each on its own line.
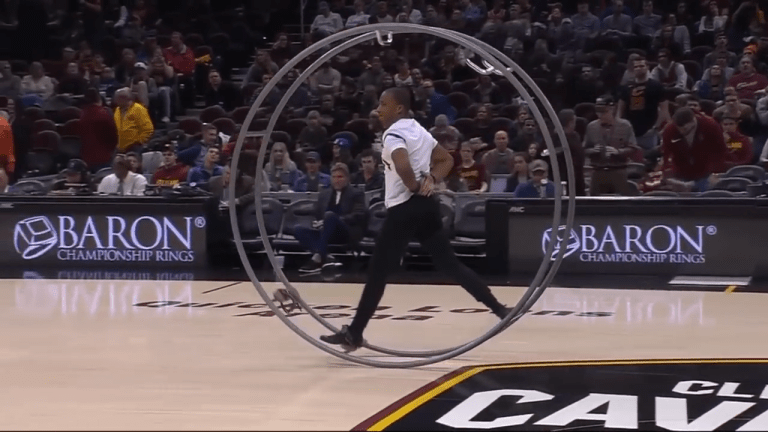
x: 651, y: 95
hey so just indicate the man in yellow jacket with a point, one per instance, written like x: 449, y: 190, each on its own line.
x: 134, y: 127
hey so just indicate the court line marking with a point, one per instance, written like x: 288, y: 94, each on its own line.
x: 403, y: 407
x: 222, y: 287
x: 730, y: 289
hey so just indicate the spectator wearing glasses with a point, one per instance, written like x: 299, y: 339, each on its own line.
x: 123, y: 181
x: 748, y: 80
x: 340, y: 219
x: 171, y: 172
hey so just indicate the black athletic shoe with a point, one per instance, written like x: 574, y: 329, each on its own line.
x: 330, y: 261
x: 311, y: 267
x: 344, y: 338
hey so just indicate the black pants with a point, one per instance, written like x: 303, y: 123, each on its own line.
x: 419, y: 218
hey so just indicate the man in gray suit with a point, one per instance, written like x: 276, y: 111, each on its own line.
x: 341, y: 218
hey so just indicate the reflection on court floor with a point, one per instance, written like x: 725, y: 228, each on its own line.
x: 184, y: 354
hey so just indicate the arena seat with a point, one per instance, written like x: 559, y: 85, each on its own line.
x: 376, y: 215
x: 70, y: 146
x: 71, y: 127
x: 225, y: 125
x: 718, y: 193
x: 28, y: 187
x: 301, y: 212
x: 732, y: 184
x: 470, y: 227
x: 635, y: 171
x: 273, y: 211
x: 662, y: 193
x: 100, y: 174
x: 212, y: 113
x: 754, y: 173
x: 40, y: 162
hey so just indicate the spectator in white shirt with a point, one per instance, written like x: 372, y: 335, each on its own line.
x: 36, y: 87
x: 360, y: 17
x: 326, y: 22
x: 123, y: 181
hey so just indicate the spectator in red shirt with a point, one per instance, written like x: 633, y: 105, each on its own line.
x: 694, y: 150
x: 98, y: 132
x: 748, y: 81
x: 182, y: 59
x: 471, y: 172
x: 179, y: 56
x: 171, y: 172
x: 739, y: 145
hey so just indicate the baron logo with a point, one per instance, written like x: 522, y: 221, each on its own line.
x: 677, y: 395
x: 108, y: 238
x: 631, y: 243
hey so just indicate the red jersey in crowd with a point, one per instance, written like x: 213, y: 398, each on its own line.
x: 182, y: 62
x: 706, y: 155
x: 746, y: 86
x: 473, y: 175
x: 98, y: 134
x: 172, y: 175
x: 739, y: 148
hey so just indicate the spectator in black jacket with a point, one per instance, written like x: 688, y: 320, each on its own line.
x: 369, y: 175
x: 340, y: 219
x: 222, y: 93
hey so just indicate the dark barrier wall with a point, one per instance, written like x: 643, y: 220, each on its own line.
x: 653, y: 236
x: 127, y: 232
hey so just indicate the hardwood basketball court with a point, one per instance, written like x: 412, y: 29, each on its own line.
x: 114, y: 354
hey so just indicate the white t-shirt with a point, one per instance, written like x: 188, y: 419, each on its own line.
x: 418, y: 142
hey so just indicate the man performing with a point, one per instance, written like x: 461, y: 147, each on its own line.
x: 408, y: 152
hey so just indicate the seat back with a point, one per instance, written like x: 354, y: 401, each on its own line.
x: 471, y: 219
x: 298, y: 213
x: 28, y: 187
x: 718, y: 193
x: 754, y: 173
x: 41, y: 162
x: 273, y: 211
x: 70, y: 146
x: 376, y: 215
x: 732, y: 184
x: 448, y: 216
x: 498, y: 183
x: 151, y: 161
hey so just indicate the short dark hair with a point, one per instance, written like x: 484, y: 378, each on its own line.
x: 683, y: 116
x: 209, y: 126
x: 91, y: 96
x: 401, y: 95
x: 566, y: 116
x: 367, y: 153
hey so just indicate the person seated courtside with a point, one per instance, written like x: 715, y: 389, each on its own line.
x: 313, y: 180
x: 340, y: 219
x: 538, y: 186
x: 369, y: 175
x: 123, y: 181
x: 76, y: 179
